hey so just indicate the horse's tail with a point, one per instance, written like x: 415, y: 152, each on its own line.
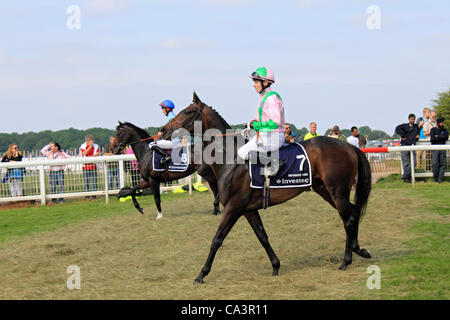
x: 364, y: 183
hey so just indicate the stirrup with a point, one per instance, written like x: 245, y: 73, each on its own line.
x: 273, y: 167
x: 165, y: 159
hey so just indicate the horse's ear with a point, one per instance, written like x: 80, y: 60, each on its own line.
x: 120, y: 123
x: 196, y: 99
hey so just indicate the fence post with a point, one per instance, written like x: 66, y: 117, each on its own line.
x: 413, y: 178
x: 42, y: 184
x: 190, y: 184
x: 121, y: 174
x: 105, y: 174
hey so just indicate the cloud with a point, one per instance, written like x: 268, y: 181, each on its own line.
x: 107, y: 6
x: 228, y: 2
x: 184, y: 44
x: 303, y: 3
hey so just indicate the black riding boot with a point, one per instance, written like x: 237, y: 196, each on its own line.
x: 166, y: 158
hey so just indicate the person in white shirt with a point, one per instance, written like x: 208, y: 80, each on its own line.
x: 430, y: 124
x: 354, y: 138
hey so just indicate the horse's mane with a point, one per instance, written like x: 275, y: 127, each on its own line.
x: 141, y: 132
x: 219, y: 117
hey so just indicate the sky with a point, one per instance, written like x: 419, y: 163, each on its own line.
x: 128, y: 56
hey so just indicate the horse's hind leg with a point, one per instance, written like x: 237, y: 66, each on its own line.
x: 350, y: 218
x: 355, y: 246
x: 255, y: 222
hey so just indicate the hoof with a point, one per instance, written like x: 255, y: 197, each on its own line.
x: 344, y: 266
x: 159, y: 216
x: 275, y: 273
x: 141, y: 210
x: 363, y: 253
x: 216, y: 212
x: 198, y: 280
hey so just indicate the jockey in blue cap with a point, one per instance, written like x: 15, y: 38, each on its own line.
x: 167, y: 107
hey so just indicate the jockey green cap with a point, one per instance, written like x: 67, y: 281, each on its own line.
x: 264, y: 74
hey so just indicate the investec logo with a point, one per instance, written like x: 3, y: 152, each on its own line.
x: 293, y: 181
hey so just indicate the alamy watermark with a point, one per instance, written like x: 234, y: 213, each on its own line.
x: 74, y: 20
x: 374, y: 280
x: 74, y: 280
x: 373, y: 21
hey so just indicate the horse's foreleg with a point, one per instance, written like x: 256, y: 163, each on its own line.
x: 255, y: 222
x: 215, y: 190
x: 229, y: 218
x: 142, y: 185
x: 154, y: 185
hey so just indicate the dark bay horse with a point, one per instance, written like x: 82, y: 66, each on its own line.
x: 139, y: 139
x: 334, y: 166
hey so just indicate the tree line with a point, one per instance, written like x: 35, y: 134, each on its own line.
x: 72, y: 138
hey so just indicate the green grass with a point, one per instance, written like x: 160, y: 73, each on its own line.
x: 425, y: 272
x: 21, y: 222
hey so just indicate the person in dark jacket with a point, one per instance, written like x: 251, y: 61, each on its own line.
x: 14, y: 175
x: 409, y: 133
x: 439, y: 135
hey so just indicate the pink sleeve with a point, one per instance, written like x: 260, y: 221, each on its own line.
x: 45, y: 151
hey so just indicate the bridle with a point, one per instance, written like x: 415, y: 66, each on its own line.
x: 187, y: 123
x: 121, y: 146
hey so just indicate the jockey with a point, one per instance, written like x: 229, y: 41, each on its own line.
x: 167, y: 107
x: 269, y: 118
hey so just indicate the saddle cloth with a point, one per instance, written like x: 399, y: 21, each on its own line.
x: 296, y: 171
x: 179, y: 162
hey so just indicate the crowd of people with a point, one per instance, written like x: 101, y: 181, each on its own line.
x: 53, y: 151
x: 426, y: 126
x: 355, y: 138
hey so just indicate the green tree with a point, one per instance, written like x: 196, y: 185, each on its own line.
x: 442, y: 104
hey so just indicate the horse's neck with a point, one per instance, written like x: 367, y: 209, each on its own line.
x: 214, y: 121
x: 140, y: 149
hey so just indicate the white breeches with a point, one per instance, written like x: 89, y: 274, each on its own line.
x: 267, y: 141
x: 167, y: 144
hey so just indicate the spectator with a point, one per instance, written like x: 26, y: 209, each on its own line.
x: 133, y: 168
x: 289, y: 136
x: 113, y: 167
x: 409, y: 133
x: 430, y: 124
x: 89, y: 149
x: 14, y: 175
x: 336, y: 133
x: 53, y: 151
x: 354, y: 138
x: 362, y: 141
x: 420, y: 122
x: 312, y: 131
x: 439, y: 135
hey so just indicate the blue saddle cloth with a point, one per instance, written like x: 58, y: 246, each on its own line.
x: 179, y: 163
x: 296, y: 171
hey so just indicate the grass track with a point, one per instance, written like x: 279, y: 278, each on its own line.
x: 123, y: 255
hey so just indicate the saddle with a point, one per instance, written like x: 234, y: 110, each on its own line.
x: 290, y: 169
